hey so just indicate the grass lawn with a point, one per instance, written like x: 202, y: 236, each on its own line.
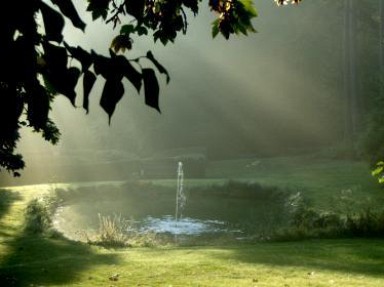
x: 32, y: 260
x: 321, y: 181
x: 44, y: 262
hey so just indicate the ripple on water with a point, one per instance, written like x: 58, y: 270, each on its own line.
x: 186, y: 226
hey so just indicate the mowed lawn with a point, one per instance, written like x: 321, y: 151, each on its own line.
x: 31, y: 260
x: 42, y: 262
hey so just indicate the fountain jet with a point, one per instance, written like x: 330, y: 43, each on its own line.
x: 180, y: 195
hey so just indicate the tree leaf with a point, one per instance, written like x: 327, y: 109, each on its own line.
x: 127, y: 29
x: 249, y: 7
x: 99, y: 8
x: 121, y: 42
x: 89, y: 80
x: 63, y: 81
x: 215, y: 28
x: 55, y: 57
x: 159, y: 67
x: 102, y: 65
x: 38, y: 107
x: 141, y: 31
x: 58, y: 78
x: 192, y: 4
x: 128, y: 71
x: 112, y: 93
x: 19, y: 63
x: 11, y: 107
x: 53, y: 23
x: 68, y: 84
x: 81, y: 55
x: 135, y: 8
x: 151, y: 89
x: 50, y: 132
x: 116, y: 68
x: 11, y: 162
x: 68, y: 9
x: 377, y: 170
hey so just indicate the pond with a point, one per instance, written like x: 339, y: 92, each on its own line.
x: 236, y: 209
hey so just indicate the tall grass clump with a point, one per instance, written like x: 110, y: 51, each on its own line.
x: 112, y: 231
x: 117, y: 232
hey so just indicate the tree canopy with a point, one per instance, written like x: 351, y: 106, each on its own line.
x: 37, y: 63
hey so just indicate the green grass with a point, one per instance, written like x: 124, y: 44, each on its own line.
x: 33, y: 260
x: 310, y: 263
x: 321, y: 181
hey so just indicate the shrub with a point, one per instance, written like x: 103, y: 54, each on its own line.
x: 365, y: 224
x: 38, y: 216
x: 307, y: 222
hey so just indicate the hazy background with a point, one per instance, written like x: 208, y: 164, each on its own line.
x: 275, y: 92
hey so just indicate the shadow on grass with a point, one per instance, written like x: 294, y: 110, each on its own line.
x: 39, y: 261
x: 7, y: 198
x: 31, y: 259
x: 359, y: 256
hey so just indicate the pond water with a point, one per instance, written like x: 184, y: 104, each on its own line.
x: 223, y: 209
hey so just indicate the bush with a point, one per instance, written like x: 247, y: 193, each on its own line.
x: 365, y: 224
x: 38, y: 216
x: 306, y: 222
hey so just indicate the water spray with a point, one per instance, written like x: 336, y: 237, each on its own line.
x: 180, y: 196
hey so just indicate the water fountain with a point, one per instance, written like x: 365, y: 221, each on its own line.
x: 181, y: 199
x: 178, y: 225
